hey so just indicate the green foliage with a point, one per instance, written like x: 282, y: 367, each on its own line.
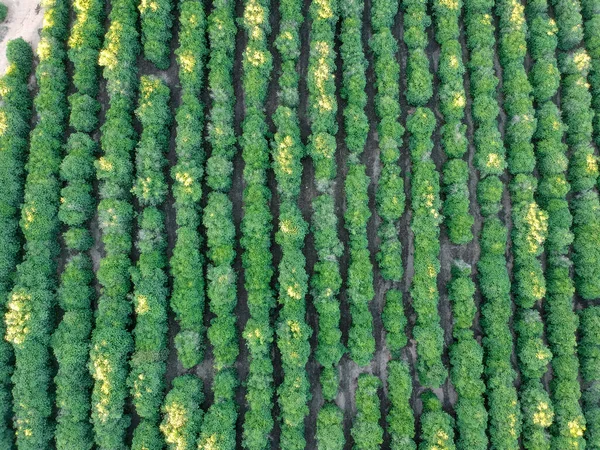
x: 15, y: 114
x: 390, y: 189
x: 451, y: 70
x: 400, y: 418
x: 156, y: 19
x: 3, y: 12
x: 425, y: 223
x: 148, y: 361
x: 361, y: 343
x: 366, y: 432
x: 182, y: 415
x: 327, y: 280
x: 589, y: 356
x: 577, y: 112
x: 218, y: 426
x: 394, y: 321
x: 466, y: 359
x: 256, y: 230
x: 437, y: 427
x: 33, y: 298
x: 111, y: 341
x: 187, y: 296
x: 489, y: 158
x: 330, y: 429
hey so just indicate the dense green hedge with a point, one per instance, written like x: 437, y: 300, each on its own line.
x: 589, y: 354
x: 156, y: 20
x: 71, y: 340
x: 366, y: 431
x: 466, y: 358
x: 590, y: 10
x: 218, y: 429
x: 187, y: 296
x: 400, y: 418
x: 31, y: 303
x: 330, y: 428
x: 494, y: 282
x: 425, y: 223
x: 574, y: 65
x: 561, y: 320
x: 257, y: 227
x: 458, y: 219
x: 361, y: 343
x: 437, y: 426
x: 182, y: 415
x: 111, y: 340
x: 15, y: 116
x: 322, y: 109
x: 390, y: 189
x: 148, y: 361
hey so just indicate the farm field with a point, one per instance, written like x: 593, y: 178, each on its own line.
x: 300, y: 224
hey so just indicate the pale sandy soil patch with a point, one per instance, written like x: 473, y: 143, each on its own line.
x: 24, y: 20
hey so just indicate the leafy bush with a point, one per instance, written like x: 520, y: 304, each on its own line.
x: 466, y: 359
x: 489, y: 158
x: 361, y: 343
x: 148, y: 361
x: 366, y: 431
x: 15, y: 114
x: 182, y: 415
x: 218, y: 428
x: 33, y: 298
x: 326, y: 281
x: 3, y: 12
x: 187, y: 296
x: 390, y: 190
x: 451, y: 70
x: 400, y: 419
x: 437, y: 427
x: 330, y: 429
x: 156, y: 19
x: 111, y: 341
x: 256, y: 230
x: 425, y: 223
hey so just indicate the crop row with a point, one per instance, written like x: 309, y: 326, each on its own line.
x: 322, y: 108
x: 361, y: 343
x: 366, y: 431
x: 256, y: 227
x: 182, y: 415
x: 503, y: 407
x: 591, y: 10
x: 111, y: 341
x: 148, y: 361
x: 574, y: 66
x: 589, y: 353
x: 218, y: 429
x: 32, y: 300
x: 15, y: 116
x: 400, y: 417
x: 187, y: 296
x: 390, y: 188
x: 425, y: 198
x: 292, y: 331
x: 71, y: 339
x: 466, y: 359
x: 451, y: 70
x: 156, y: 20
x: 529, y: 225
x: 437, y: 427
x: 552, y: 164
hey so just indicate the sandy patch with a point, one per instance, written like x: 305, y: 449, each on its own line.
x: 24, y: 20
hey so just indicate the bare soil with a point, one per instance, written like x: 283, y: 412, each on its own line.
x: 24, y: 20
